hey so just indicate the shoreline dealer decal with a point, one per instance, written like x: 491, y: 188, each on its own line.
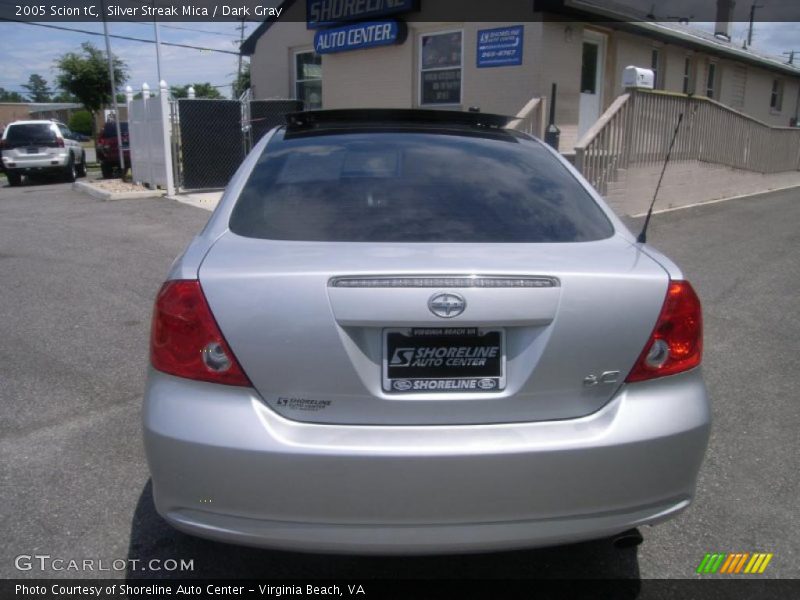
x: 448, y: 356
x: 443, y: 359
x: 445, y: 385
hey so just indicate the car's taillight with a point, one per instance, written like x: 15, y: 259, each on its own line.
x: 59, y: 142
x: 676, y: 343
x: 186, y: 341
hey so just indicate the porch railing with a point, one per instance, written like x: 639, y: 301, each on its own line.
x: 531, y: 118
x: 637, y: 128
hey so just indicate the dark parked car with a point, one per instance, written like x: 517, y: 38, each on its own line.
x: 108, y: 150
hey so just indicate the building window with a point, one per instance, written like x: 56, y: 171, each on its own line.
x: 776, y: 97
x: 589, y: 68
x: 440, y: 68
x: 308, y: 78
x: 687, y: 74
x: 655, y: 63
x: 711, y: 79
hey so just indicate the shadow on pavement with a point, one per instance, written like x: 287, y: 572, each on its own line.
x: 152, y: 538
x: 38, y: 180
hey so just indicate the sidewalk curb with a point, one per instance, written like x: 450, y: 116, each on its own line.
x: 194, y: 200
x: 88, y: 188
x: 715, y: 201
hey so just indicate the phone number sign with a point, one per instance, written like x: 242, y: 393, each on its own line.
x: 500, y: 47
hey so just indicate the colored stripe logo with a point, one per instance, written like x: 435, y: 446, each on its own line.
x: 734, y: 563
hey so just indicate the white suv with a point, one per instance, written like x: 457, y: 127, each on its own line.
x: 29, y: 147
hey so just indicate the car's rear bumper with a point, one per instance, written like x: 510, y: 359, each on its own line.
x: 22, y: 164
x: 225, y: 466
x: 111, y: 157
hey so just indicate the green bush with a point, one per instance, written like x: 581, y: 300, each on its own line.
x: 81, y: 121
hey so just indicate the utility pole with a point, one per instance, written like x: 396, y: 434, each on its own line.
x: 240, y: 27
x: 753, y: 8
x: 158, y: 43
x: 113, y: 90
x: 790, y: 54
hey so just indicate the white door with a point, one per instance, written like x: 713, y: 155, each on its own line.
x: 591, y: 80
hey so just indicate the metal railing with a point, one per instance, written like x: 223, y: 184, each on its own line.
x: 637, y: 128
x: 531, y: 118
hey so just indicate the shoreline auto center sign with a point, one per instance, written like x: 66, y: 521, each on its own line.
x: 359, y: 35
x: 320, y: 13
x: 500, y: 47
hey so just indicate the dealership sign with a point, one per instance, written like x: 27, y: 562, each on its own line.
x: 326, y: 12
x: 359, y: 35
x: 500, y: 47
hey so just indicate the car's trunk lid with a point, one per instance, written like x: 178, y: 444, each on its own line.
x: 315, y: 350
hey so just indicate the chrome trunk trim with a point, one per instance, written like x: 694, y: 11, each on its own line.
x: 444, y: 281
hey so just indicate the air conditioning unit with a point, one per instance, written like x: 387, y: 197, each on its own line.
x: 637, y: 77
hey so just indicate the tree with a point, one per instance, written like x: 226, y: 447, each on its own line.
x: 6, y: 96
x: 85, y: 75
x: 81, y: 121
x: 242, y: 81
x: 63, y: 96
x: 201, y: 90
x: 38, y: 91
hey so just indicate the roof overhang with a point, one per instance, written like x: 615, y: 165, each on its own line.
x: 614, y: 17
x: 248, y: 47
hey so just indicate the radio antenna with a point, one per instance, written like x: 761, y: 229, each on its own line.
x: 642, y: 239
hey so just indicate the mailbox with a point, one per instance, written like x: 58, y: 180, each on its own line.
x: 637, y: 77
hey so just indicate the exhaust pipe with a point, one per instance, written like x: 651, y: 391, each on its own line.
x: 627, y: 539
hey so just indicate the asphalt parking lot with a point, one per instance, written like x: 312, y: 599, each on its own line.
x: 77, y: 281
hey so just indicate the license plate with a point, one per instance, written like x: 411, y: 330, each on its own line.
x: 33, y: 151
x: 443, y: 359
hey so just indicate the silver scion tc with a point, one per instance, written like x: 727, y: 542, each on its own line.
x: 417, y: 332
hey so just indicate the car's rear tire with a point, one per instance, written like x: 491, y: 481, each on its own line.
x: 70, y: 172
x: 107, y: 170
x: 81, y: 170
x: 14, y: 179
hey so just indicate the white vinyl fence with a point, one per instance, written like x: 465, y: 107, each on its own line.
x: 150, y: 127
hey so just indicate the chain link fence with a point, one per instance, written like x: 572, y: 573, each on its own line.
x: 266, y: 114
x: 211, y: 147
x: 212, y: 137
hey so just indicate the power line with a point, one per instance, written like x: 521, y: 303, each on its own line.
x: 120, y: 37
x: 161, y: 24
x: 56, y: 92
x: 206, y: 31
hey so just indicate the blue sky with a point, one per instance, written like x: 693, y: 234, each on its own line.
x: 27, y: 49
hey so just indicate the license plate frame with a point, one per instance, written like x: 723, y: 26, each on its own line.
x: 466, y: 346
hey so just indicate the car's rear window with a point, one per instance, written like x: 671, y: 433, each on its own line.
x: 110, y: 129
x: 30, y: 132
x: 414, y: 187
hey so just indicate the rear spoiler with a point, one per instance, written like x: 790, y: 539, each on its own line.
x: 312, y: 119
